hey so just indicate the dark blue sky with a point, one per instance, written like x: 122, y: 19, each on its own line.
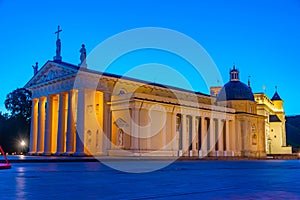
x: 260, y: 37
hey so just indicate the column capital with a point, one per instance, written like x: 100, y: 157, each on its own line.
x: 42, y: 97
x: 35, y: 99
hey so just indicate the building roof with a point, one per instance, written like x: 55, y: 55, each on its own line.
x: 274, y: 118
x: 77, y: 68
x: 235, y: 89
x: 276, y: 97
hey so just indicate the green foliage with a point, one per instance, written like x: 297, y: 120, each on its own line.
x: 15, y: 126
x: 18, y: 103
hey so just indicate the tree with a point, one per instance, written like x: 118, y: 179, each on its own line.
x: 15, y: 126
x: 18, y: 103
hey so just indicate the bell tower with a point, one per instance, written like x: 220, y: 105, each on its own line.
x: 278, y: 102
x: 234, y: 74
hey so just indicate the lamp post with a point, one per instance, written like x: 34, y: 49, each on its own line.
x: 22, y: 145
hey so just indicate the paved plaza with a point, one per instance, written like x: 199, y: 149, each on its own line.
x: 265, y: 179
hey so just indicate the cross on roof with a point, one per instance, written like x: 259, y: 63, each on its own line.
x: 57, y: 32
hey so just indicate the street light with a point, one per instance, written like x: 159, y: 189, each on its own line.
x: 23, y: 146
x: 23, y: 143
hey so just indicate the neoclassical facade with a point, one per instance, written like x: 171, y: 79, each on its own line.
x: 77, y: 111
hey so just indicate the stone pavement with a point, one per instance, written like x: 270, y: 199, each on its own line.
x: 247, y: 179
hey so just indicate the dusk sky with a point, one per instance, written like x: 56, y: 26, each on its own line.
x: 262, y: 38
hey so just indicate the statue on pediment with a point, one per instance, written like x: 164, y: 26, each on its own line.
x: 82, y: 56
x: 35, y: 68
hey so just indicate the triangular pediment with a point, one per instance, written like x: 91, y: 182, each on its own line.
x: 52, y: 71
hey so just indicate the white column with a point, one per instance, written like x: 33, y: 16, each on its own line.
x: 134, y: 129
x: 164, y: 137
x: 220, y: 138
x: 194, y: 135
x: 70, y: 148
x: 48, y: 128
x: 184, y: 135
x: 41, y: 125
x: 149, y: 135
x: 174, y: 133
x: 107, y: 123
x: 244, y: 137
x: 79, y: 151
x: 212, y: 140
x: 203, y: 137
x: 234, y: 138
x: 34, y: 126
x: 227, y: 136
x: 61, y: 137
x: 198, y: 133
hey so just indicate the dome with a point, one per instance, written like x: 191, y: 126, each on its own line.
x: 235, y: 90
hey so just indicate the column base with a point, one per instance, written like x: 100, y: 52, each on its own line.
x: 221, y: 153
x: 59, y: 153
x: 79, y: 154
x: 193, y: 153
x: 202, y: 153
x: 186, y: 153
x: 68, y: 153
x: 47, y: 153
x: 179, y: 153
x: 228, y: 153
x: 31, y: 153
x: 212, y: 153
x: 232, y: 153
x: 39, y: 153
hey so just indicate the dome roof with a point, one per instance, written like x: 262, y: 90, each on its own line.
x: 235, y: 90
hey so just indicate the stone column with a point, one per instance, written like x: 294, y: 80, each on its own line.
x: 48, y: 129
x: 220, y: 138
x: 164, y: 134
x: 70, y: 148
x: 184, y: 135
x: 244, y: 138
x: 227, y: 148
x: 203, y: 145
x: 107, y: 123
x: 238, y: 134
x: 41, y: 125
x: 234, y: 138
x: 61, y: 137
x: 79, y: 150
x: 194, y: 136
x: 134, y: 129
x: 34, y: 126
x: 175, y: 138
x: 149, y: 134
x: 212, y: 139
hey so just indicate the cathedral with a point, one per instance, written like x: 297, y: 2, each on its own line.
x: 81, y: 112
